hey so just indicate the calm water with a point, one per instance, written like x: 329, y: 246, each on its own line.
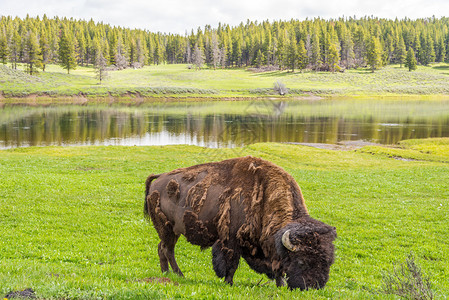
x: 223, y: 124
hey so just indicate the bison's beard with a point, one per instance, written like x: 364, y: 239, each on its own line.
x: 312, y: 279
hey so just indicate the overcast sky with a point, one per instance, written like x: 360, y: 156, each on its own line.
x: 177, y: 16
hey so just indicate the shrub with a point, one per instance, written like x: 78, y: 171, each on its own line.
x: 280, y: 88
x: 407, y: 281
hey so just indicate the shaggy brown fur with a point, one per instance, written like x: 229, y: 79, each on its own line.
x: 173, y: 190
x: 240, y: 207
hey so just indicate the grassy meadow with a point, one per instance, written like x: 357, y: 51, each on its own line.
x: 72, y: 225
x: 181, y: 82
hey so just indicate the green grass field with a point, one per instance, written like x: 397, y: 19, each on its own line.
x: 72, y: 225
x: 179, y: 81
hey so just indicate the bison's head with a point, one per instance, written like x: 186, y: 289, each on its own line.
x: 306, y: 252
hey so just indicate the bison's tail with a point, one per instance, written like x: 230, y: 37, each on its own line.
x: 147, y: 190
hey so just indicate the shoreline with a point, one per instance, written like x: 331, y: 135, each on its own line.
x: 136, y: 98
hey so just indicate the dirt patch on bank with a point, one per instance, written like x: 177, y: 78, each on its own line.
x: 340, y: 146
x: 354, y: 145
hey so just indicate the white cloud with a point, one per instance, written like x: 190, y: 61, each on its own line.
x: 177, y: 16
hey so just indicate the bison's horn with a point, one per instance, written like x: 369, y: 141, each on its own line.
x: 286, y: 241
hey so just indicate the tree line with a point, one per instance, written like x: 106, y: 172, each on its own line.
x: 317, y: 44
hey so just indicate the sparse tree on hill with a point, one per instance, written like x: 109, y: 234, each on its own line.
x: 223, y: 57
x: 215, y: 51
x: 140, y: 53
x: 101, y: 64
x: 197, y: 57
x: 121, y: 62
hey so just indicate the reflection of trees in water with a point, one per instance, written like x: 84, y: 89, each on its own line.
x: 79, y: 126
x: 92, y: 126
x: 239, y: 130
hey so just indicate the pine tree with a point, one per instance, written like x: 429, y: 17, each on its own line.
x: 95, y: 49
x: 140, y: 53
x: 32, y: 53
x: 112, y: 41
x: 332, y: 49
x: 417, y: 49
x: 80, y: 45
x: 282, y: 49
x: 347, y: 51
x: 67, y: 55
x: 360, y: 46
x: 259, y: 58
x: 429, y: 50
x: 4, y: 51
x: 333, y: 58
x: 401, y: 52
x: 104, y: 48
x: 410, y: 61
x: 374, y: 53
x: 237, y: 51
x: 441, y: 56
x: 303, y: 59
x: 158, y: 54
x: 45, y: 49
x: 387, y: 47
x: 14, y: 49
x: 292, y: 54
x: 315, y: 58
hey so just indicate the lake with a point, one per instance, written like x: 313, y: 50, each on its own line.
x: 223, y: 123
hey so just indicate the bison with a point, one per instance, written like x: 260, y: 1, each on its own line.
x: 242, y: 207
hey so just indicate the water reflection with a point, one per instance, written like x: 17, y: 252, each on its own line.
x: 223, y: 124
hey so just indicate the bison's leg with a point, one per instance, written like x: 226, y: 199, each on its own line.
x: 225, y: 261
x: 166, y: 250
x: 162, y: 258
x: 232, y: 267
x: 164, y: 228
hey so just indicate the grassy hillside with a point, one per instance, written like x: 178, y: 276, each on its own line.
x: 179, y: 81
x: 72, y: 223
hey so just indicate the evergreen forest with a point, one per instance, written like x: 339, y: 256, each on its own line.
x: 315, y: 44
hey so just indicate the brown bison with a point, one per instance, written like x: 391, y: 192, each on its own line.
x: 242, y: 207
